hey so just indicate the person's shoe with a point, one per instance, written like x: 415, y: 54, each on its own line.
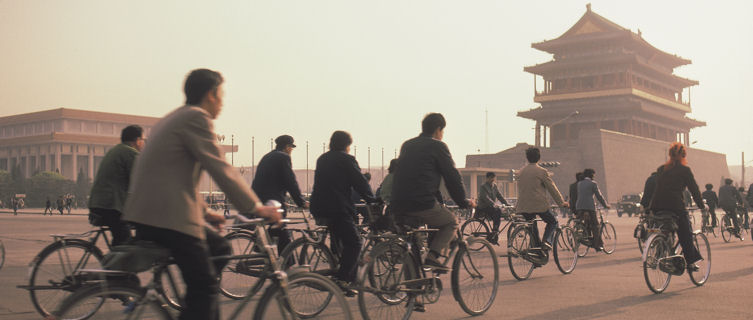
x: 693, y: 267
x: 419, y: 307
x: 347, y: 288
x: 598, y: 249
x: 435, y: 265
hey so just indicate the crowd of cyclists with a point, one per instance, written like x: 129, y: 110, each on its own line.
x: 153, y: 188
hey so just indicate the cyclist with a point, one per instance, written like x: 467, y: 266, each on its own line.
x: 423, y: 162
x: 534, y: 182
x: 337, y: 174
x: 587, y: 189
x: 164, y: 202
x: 573, y: 194
x: 487, y: 195
x: 729, y: 199
x: 110, y: 188
x: 744, y: 207
x: 712, y: 202
x: 674, y: 177
x: 274, y: 177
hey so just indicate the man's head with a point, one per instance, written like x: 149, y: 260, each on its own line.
x: 490, y: 177
x: 579, y: 176
x: 728, y: 181
x: 433, y: 125
x: 203, y: 88
x: 393, y: 166
x: 709, y: 186
x: 284, y: 143
x: 589, y: 173
x: 340, y: 141
x: 367, y: 175
x: 133, y: 136
x: 533, y: 154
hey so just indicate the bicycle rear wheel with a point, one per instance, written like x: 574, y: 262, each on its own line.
x: 172, y: 288
x: 657, y: 247
x: 475, y: 276
x: 382, y: 292
x: 308, y: 296
x: 52, y: 275
x: 726, y: 228
x: 475, y: 228
x: 241, y: 274
x: 704, y: 267
x: 312, y: 256
x: 109, y: 303
x: 518, y: 247
x: 608, y: 237
x: 565, y: 250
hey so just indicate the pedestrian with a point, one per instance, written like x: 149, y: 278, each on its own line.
x: 274, y: 178
x: 47, y: 206
x: 587, y: 190
x: 110, y: 187
x: 60, y: 204
x: 15, y: 206
x: 712, y: 202
x: 336, y: 176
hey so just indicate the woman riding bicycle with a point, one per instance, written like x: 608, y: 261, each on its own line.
x: 674, y: 176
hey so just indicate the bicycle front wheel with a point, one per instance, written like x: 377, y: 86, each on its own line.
x: 475, y: 228
x: 110, y: 303
x: 704, y: 267
x: 565, y: 250
x: 657, y: 248
x: 383, y: 292
x: 475, y: 276
x: 241, y: 274
x: 518, y: 247
x: 308, y: 296
x: 313, y: 256
x: 52, y: 275
x: 608, y: 237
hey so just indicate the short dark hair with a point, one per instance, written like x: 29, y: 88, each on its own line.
x: 490, y: 175
x: 367, y: 175
x: 393, y: 166
x: 340, y: 140
x: 131, y: 133
x: 432, y: 122
x: 589, y: 173
x: 579, y: 176
x: 709, y: 186
x: 533, y: 154
x: 728, y: 181
x: 200, y: 82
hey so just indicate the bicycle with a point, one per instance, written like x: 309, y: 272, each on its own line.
x: 607, y: 233
x: 53, y: 271
x: 479, y: 226
x: 295, y: 295
x: 662, y: 256
x: 393, y: 284
x: 641, y: 231
x: 728, y: 229
x: 706, y: 228
x: 524, y: 252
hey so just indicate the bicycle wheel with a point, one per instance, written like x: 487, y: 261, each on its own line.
x: 172, y: 288
x: 657, y: 247
x: 313, y: 256
x: 565, y: 250
x: 608, y: 237
x: 475, y: 276
x: 308, y: 296
x: 51, y: 277
x: 475, y: 228
x: 241, y: 274
x: 382, y: 292
x: 704, y: 267
x: 2, y: 254
x: 517, y: 247
x: 726, y: 229
x: 110, y: 303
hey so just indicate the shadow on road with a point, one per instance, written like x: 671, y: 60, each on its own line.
x: 601, y: 309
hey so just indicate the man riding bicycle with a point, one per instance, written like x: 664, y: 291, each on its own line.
x: 585, y: 208
x: 487, y: 195
x: 534, y: 183
x: 729, y: 200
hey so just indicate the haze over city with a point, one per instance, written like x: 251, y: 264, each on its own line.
x: 373, y: 68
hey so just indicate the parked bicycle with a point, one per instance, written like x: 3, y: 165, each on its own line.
x: 525, y: 252
x: 662, y: 257
x: 393, y: 284
x: 295, y: 295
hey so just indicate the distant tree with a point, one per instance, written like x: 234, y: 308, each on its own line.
x: 83, y: 187
x: 47, y: 184
x: 6, y: 185
x: 18, y: 184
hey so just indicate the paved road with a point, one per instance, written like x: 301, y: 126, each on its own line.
x: 601, y: 287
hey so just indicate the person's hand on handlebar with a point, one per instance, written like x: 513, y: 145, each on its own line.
x: 214, y: 219
x: 471, y: 203
x: 271, y: 213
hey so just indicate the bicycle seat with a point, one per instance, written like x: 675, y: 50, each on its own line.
x: 137, y: 256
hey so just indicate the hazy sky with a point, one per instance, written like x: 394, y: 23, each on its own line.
x: 373, y: 68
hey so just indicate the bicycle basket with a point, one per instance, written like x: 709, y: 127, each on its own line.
x: 138, y: 256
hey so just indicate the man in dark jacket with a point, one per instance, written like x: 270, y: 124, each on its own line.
x: 587, y: 190
x: 488, y: 194
x: 573, y: 194
x: 337, y: 174
x: 712, y: 202
x: 729, y: 199
x: 424, y: 161
x: 274, y: 177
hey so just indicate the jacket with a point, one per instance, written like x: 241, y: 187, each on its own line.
x: 670, y: 184
x: 587, y: 189
x: 573, y: 195
x: 337, y: 174
x: 110, y: 186
x: 711, y: 200
x: 424, y: 163
x: 729, y: 197
x: 534, y: 183
x: 164, y: 190
x: 487, y: 194
x: 648, y: 190
x: 274, y: 177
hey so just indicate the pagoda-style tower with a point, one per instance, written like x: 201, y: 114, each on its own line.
x: 604, y: 76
